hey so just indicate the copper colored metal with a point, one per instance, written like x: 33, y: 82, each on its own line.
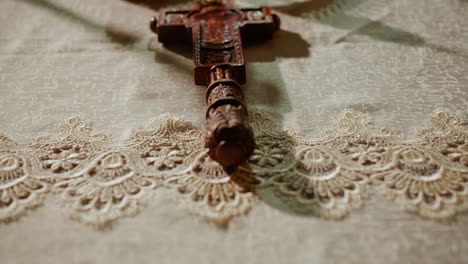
x: 216, y: 31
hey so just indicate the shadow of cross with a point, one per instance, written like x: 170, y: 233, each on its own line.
x: 360, y: 26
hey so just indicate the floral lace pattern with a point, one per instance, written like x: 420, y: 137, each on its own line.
x: 98, y: 181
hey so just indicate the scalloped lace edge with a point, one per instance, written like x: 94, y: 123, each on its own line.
x: 98, y: 181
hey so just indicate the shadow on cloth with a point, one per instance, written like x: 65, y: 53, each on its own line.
x: 301, y: 8
x: 274, y: 181
x: 360, y: 26
x: 115, y: 33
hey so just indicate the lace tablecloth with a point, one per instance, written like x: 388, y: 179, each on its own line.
x: 359, y: 111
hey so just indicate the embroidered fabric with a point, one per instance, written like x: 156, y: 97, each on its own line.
x: 98, y: 181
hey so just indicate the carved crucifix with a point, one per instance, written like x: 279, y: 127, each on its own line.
x: 216, y: 31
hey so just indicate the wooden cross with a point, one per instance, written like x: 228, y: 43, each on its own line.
x: 216, y: 31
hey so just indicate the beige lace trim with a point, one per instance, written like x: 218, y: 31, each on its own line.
x: 98, y: 181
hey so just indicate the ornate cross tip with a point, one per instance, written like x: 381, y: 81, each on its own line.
x: 216, y: 31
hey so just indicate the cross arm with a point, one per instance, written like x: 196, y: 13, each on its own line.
x: 173, y: 26
x: 259, y: 24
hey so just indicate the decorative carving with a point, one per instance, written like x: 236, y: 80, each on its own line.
x: 174, y: 18
x: 216, y: 33
x: 229, y: 137
x: 224, y: 92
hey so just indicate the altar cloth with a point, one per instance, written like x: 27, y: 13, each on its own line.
x: 359, y: 109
